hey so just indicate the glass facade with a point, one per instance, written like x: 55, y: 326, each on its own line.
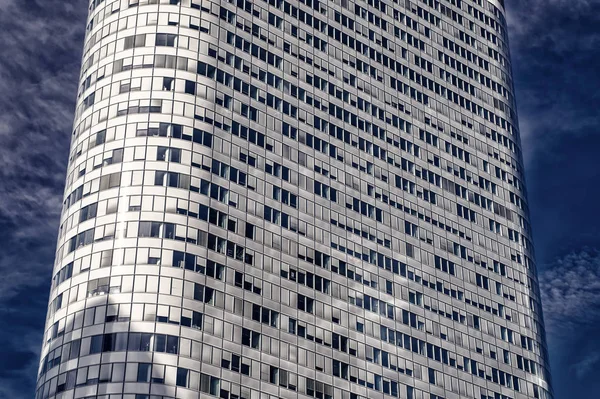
x: 291, y: 199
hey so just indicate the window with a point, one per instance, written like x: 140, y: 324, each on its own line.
x: 249, y: 230
x: 264, y: 315
x: 160, y: 343
x: 165, y: 39
x: 172, y: 344
x: 182, y: 377
x: 167, y: 83
x: 75, y: 347
x: 305, y: 303
x: 149, y: 229
x: 197, y: 320
x: 250, y: 338
x: 168, y: 154
x: 115, y: 342
x: 88, y: 212
x: 273, y: 375
x: 145, y: 342
x: 209, y: 384
x: 360, y: 327
x: 96, y: 344
x: 431, y: 376
x: 134, y: 41
x: 101, y: 137
x: 144, y: 372
x: 190, y: 87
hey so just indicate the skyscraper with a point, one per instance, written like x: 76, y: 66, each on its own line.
x: 291, y: 199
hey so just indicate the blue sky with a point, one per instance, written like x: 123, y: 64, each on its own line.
x: 555, y: 57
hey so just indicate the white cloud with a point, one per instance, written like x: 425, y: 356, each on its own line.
x: 570, y: 290
x: 39, y: 63
x: 585, y: 365
x: 523, y: 16
x: 551, y: 50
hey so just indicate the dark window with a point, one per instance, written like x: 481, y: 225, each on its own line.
x: 190, y: 87
x: 160, y: 343
x: 144, y: 372
x: 96, y: 344
x: 165, y: 39
x: 249, y: 230
x: 250, y: 338
x: 182, y: 376
x: 197, y: 320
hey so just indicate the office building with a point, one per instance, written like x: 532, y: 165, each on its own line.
x: 292, y: 199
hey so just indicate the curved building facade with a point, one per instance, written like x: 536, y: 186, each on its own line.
x: 294, y: 199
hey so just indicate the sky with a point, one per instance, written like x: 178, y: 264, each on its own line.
x: 555, y: 59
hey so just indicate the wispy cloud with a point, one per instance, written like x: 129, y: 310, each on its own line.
x: 38, y: 70
x: 39, y: 65
x: 586, y: 365
x: 570, y: 290
x: 554, y: 58
x: 554, y: 46
x: 525, y: 16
